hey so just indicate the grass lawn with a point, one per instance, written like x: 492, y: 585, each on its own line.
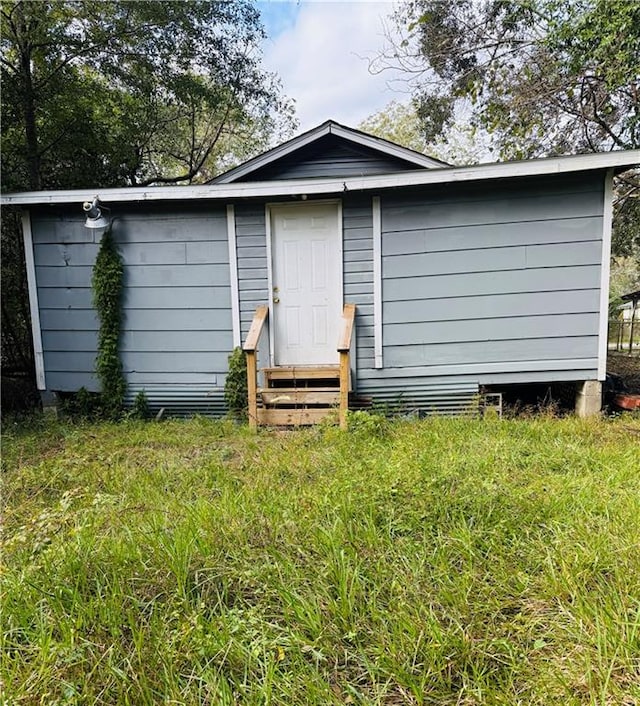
x: 445, y: 561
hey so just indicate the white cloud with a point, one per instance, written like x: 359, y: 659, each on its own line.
x: 322, y: 61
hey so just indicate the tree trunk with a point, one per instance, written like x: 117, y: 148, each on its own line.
x: 28, y: 102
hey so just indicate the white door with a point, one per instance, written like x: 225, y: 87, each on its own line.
x: 307, y: 283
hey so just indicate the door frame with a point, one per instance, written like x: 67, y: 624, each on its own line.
x: 277, y: 205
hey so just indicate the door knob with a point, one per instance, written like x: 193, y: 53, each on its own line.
x: 276, y: 300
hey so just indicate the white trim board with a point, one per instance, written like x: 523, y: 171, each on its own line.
x: 377, y: 282
x: 301, y: 188
x: 233, y: 273
x: 34, y: 308
x: 607, y: 222
x: 267, y: 225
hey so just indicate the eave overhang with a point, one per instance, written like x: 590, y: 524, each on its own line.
x: 618, y: 161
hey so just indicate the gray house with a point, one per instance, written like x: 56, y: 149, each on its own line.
x: 352, y: 270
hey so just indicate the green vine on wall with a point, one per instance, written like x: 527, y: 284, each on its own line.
x: 107, y: 283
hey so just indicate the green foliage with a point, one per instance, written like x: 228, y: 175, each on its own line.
x: 235, y: 386
x: 399, y: 123
x: 541, y: 77
x: 17, y: 353
x: 82, y: 405
x: 107, y: 283
x: 140, y: 408
x: 626, y: 217
x: 362, y: 422
x: 452, y: 561
x: 145, y: 91
x: 624, y: 278
x: 105, y: 94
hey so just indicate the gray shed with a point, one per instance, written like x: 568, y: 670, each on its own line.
x: 350, y: 267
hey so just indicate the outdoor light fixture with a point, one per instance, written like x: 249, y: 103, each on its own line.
x: 96, y: 219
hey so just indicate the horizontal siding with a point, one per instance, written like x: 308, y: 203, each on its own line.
x: 176, y: 304
x: 471, y: 284
x: 160, y: 320
x: 198, y: 275
x: 485, y: 280
x: 136, y: 341
x: 482, y: 284
x: 493, y: 259
x: 357, y: 225
x: 520, y: 201
x: 494, y: 235
x: 330, y: 157
x: 149, y: 362
x: 196, y: 297
x: 487, y: 352
x: 491, y: 306
x: 492, y: 330
x: 251, y: 249
x: 158, y: 253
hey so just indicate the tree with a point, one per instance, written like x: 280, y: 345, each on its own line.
x: 542, y: 77
x: 118, y: 93
x: 397, y: 122
x: 142, y: 92
x: 400, y: 123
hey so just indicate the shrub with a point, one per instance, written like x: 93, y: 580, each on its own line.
x: 140, y: 408
x: 235, y: 387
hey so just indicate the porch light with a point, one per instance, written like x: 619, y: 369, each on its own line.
x: 96, y: 219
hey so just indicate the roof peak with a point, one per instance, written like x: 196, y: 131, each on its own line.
x: 415, y: 160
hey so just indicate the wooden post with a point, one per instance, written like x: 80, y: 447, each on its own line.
x: 344, y: 388
x: 251, y: 351
x: 619, y: 335
x: 252, y: 387
x: 633, y: 318
x: 344, y: 347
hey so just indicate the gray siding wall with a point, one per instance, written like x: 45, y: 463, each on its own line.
x: 482, y: 284
x: 498, y: 282
x: 357, y: 223
x: 251, y: 248
x: 177, y: 317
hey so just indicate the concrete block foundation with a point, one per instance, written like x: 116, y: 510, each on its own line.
x: 589, y: 398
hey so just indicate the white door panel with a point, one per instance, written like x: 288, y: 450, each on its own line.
x: 307, y: 283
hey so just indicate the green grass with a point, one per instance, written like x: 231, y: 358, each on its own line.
x: 434, y: 562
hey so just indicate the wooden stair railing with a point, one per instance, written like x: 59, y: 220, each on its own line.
x: 281, y: 403
x: 251, y: 350
x: 344, y: 349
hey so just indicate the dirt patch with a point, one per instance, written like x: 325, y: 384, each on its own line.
x: 628, y: 368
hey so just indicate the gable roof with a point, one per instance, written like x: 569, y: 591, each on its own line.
x: 410, y: 159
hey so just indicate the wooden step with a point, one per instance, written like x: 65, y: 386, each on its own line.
x: 292, y: 417
x: 295, y: 396
x: 303, y: 372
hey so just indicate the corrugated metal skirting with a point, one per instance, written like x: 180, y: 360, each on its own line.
x: 181, y: 400
x: 422, y: 398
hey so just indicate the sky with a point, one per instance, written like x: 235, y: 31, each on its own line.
x: 320, y: 50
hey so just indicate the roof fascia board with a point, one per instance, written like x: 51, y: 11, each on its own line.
x: 328, y: 128
x: 387, y: 147
x: 312, y: 187
x: 273, y: 154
